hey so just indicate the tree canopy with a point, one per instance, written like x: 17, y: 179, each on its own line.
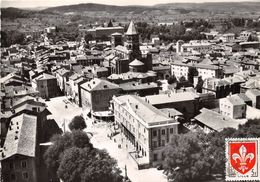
x: 199, y: 85
x: 86, y: 165
x: 74, y: 159
x: 186, y: 159
x: 192, y: 71
x: 77, y: 139
x: 198, y: 156
x: 172, y: 79
x: 77, y: 123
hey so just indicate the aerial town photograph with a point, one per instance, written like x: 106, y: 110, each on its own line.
x: 130, y: 91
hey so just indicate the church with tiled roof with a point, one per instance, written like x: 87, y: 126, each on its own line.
x: 128, y: 56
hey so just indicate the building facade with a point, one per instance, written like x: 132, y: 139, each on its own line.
x: 96, y: 94
x: 46, y: 85
x: 147, y: 129
x: 232, y: 106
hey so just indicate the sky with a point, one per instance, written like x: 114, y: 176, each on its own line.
x: 49, y: 3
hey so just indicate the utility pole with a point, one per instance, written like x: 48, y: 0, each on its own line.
x: 64, y: 130
x: 126, y: 173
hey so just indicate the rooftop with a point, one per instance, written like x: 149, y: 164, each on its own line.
x: 21, y: 137
x: 234, y: 100
x: 136, y: 63
x: 255, y: 92
x: 137, y: 85
x: 131, y: 29
x: 148, y: 113
x: 215, y: 120
x: 45, y: 76
x: 98, y: 84
x: 170, y: 98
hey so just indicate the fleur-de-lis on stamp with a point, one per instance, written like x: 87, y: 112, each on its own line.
x: 242, y: 157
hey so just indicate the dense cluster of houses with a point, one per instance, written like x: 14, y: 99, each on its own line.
x: 125, y: 81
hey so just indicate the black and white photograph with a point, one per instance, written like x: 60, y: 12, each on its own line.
x: 130, y: 91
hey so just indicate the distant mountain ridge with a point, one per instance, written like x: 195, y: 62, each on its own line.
x: 99, y: 7
x: 216, y: 7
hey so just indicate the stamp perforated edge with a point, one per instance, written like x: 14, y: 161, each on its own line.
x: 226, y: 158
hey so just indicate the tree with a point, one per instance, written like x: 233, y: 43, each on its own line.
x: 110, y: 24
x: 192, y: 71
x: 199, y: 85
x: 74, y: 159
x: 196, y: 156
x: 250, y: 129
x: 171, y: 79
x: 77, y: 123
x: 77, y: 139
x: 186, y: 159
x: 88, y: 38
x: 182, y: 79
x: 87, y: 165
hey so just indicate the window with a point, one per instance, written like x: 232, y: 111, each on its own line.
x: 25, y: 175
x: 24, y: 164
x: 154, y: 133
x: 163, y: 132
x: 171, y: 130
x: 12, y: 177
x: 11, y: 165
x: 155, y: 157
x: 154, y: 144
x: 163, y: 156
x: 163, y: 143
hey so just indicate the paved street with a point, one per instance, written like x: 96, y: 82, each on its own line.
x: 60, y: 113
x: 101, y: 141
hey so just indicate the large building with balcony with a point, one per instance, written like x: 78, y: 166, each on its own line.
x: 147, y: 129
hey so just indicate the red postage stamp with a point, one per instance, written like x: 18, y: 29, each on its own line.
x: 242, y: 159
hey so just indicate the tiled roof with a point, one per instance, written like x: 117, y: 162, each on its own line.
x: 21, y: 137
x: 148, y: 113
x: 243, y: 97
x: 74, y: 76
x: 234, y: 100
x: 234, y: 79
x: 98, y: 84
x: 116, y: 34
x: 170, y: 98
x: 136, y: 63
x: 137, y: 86
x: 45, y: 76
x: 171, y: 112
x: 122, y: 49
x: 10, y: 76
x: 131, y: 29
x: 255, y: 92
x: 62, y: 71
x: 23, y: 99
x: 129, y: 75
x: 215, y: 120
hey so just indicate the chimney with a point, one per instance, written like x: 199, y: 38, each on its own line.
x: 16, y: 137
x: 136, y: 106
